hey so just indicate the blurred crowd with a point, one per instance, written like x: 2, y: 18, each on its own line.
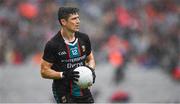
x: 121, y: 31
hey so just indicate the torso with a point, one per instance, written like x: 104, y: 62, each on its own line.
x: 68, y: 56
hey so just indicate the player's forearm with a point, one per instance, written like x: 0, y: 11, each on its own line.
x: 50, y: 74
x: 47, y: 72
x: 91, y: 63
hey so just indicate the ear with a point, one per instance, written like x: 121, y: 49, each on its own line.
x: 63, y: 21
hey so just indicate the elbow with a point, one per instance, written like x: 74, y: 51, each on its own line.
x: 43, y: 73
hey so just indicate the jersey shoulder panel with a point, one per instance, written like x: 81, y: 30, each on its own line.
x: 51, y: 48
x: 82, y: 35
x: 55, y: 40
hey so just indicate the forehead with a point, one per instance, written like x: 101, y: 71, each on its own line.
x: 73, y: 15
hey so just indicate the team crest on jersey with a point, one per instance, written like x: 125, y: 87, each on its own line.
x: 83, y: 48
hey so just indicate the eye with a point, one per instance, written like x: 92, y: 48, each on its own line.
x: 75, y: 18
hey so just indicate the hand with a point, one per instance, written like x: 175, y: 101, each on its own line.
x: 71, y: 75
x: 93, y: 73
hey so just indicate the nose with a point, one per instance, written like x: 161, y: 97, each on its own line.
x: 78, y: 20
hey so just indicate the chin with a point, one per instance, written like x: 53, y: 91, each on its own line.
x: 76, y: 30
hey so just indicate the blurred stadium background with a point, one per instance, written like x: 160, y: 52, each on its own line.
x: 136, y: 45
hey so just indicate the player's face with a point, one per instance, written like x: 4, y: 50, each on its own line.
x: 73, y: 22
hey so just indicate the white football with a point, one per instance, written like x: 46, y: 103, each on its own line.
x: 85, y: 77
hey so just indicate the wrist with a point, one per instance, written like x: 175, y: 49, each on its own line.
x: 91, y: 68
x: 61, y: 75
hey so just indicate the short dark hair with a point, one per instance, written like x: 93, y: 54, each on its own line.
x: 64, y: 12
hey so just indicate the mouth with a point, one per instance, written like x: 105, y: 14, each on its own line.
x: 77, y: 27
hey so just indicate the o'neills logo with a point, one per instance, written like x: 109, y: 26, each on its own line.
x: 62, y: 53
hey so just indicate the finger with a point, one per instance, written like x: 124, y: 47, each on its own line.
x: 75, y: 72
x: 76, y: 76
x: 94, y: 80
x: 75, y: 79
x: 94, y: 75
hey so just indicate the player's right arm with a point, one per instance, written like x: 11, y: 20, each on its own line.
x: 47, y: 61
x: 47, y: 72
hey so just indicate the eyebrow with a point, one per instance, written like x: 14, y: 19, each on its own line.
x: 75, y: 17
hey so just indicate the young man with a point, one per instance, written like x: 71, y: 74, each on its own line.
x: 67, y: 50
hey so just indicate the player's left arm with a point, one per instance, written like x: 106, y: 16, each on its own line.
x: 90, y: 61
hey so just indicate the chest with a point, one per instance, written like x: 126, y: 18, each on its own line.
x: 70, y: 51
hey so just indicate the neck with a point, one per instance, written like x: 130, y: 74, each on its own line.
x: 67, y: 35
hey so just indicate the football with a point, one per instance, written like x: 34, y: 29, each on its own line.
x: 85, y: 77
